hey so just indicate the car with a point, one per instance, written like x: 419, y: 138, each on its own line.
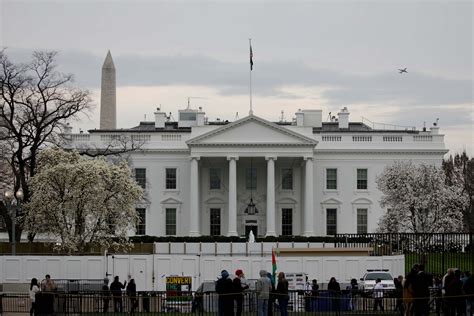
x: 368, y: 280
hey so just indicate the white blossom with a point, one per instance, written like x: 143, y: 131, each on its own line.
x: 418, y: 200
x: 82, y: 201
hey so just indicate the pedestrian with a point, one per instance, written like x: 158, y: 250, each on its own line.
x: 468, y: 288
x: 408, y: 294
x: 438, y: 294
x: 105, y: 295
x: 454, y: 295
x: 307, y: 295
x: 334, y: 290
x: 354, y: 291
x: 239, y: 288
x: 263, y: 288
x: 116, y: 288
x: 421, y: 290
x: 225, y: 290
x: 132, y: 295
x: 399, y: 294
x: 271, y: 297
x: 282, y: 294
x: 314, y: 295
x: 378, y: 295
x: 34, y: 288
x: 48, y: 287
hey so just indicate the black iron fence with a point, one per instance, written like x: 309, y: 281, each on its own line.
x: 325, y: 303
x: 437, y: 252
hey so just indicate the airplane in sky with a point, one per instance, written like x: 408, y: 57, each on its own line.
x: 404, y: 70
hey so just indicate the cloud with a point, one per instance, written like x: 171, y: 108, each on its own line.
x: 269, y: 79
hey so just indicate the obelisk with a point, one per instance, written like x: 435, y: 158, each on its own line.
x: 108, y: 113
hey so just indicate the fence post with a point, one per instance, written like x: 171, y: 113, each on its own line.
x: 443, y: 267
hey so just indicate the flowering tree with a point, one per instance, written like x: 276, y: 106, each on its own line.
x: 419, y: 200
x: 459, y: 172
x: 82, y: 201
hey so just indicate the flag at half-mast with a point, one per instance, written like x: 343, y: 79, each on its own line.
x: 251, y: 57
x: 274, y: 265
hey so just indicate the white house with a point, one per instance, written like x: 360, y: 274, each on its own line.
x: 304, y: 177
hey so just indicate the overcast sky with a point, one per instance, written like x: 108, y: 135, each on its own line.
x: 307, y: 54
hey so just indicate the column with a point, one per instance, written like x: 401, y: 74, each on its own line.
x: 232, y: 230
x: 308, y: 198
x: 194, y: 198
x: 271, y: 196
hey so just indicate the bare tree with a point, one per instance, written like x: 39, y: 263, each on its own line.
x: 35, y: 102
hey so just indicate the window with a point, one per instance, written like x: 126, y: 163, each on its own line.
x: 287, y: 222
x: 331, y: 179
x: 140, y: 177
x: 287, y: 179
x: 251, y: 179
x: 362, y: 221
x: 331, y: 221
x: 141, y: 225
x: 187, y: 116
x: 170, y: 221
x: 361, y: 179
x: 171, y: 178
x: 214, y: 179
x: 215, y: 221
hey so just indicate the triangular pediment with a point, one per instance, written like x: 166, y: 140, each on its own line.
x: 252, y: 130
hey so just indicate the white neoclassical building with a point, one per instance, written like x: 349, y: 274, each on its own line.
x: 304, y: 177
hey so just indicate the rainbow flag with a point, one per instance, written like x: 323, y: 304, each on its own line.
x: 274, y: 265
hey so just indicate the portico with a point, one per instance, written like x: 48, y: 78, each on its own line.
x: 234, y: 147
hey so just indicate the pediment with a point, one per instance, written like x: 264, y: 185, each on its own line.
x: 361, y: 200
x: 171, y: 200
x: 252, y: 131
x: 331, y: 201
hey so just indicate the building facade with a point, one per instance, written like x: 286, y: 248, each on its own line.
x: 304, y: 177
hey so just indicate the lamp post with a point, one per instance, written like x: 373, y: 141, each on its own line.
x: 13, y: 209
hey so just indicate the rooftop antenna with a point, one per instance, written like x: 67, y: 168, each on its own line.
x: 282, y: 117
x: 145, y: 117
x: 189, y: 101
x: 236, y: 116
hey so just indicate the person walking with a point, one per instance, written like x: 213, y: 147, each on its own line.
x: 399, y: 294
x: 239, y: 288
x: 314, y: 295
x: 116, y: 288
x: 262, y: 290
x: 354, y: 291
x: 335, y: 291
x: 378, y: 295
x: 105, y: 296
x: 408, y: 293
x: 282, y: 294
x: 34, y: 288
x: 468, y: 288
x: 271, y: 297
x: 421, y: 289
x: 132, y: 295
x: 225, y: 290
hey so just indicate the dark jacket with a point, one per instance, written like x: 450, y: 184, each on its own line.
x: 334, y: 287
x: 116, y: 288
x: 224, y: 286
x: 238, y: 288
x: 282, y: 289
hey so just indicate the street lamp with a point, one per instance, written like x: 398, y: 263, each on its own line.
x: 13, y: 210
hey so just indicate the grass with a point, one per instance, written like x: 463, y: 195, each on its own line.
x: 438, y: 263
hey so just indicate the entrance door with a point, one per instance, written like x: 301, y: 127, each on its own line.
x: 251, y: 227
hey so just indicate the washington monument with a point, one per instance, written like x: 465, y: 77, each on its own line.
x: 108, y: 113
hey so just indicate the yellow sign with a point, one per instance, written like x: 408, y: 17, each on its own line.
x: 180, y: 280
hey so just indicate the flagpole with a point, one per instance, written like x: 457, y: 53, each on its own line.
x: 250, y: 76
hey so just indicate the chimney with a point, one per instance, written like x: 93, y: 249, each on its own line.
x: 160, y: 118
x: 299, y: 118
x: 434, y: 130
x: 343, y: 118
